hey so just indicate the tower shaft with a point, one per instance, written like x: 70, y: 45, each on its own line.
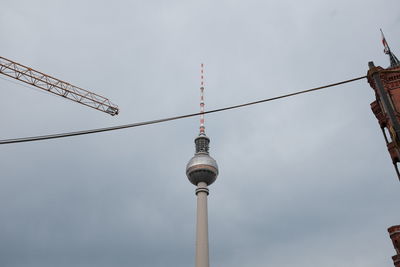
x: 202, y: 257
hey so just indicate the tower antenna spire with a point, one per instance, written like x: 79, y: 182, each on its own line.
x: 394, y: 62
x: 202, y: 84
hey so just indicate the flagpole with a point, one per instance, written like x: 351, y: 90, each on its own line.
x: 385, y: 44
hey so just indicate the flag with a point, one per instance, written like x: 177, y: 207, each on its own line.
x: 385, y: 44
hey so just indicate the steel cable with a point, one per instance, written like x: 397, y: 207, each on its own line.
x: 138, y: 124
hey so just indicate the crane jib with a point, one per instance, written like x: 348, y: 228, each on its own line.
x: 56, y: 86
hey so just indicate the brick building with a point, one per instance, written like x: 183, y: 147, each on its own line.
x: 394, y: 233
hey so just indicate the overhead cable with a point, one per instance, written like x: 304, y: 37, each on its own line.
x: 138, y: 124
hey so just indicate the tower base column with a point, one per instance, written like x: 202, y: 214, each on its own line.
x: 202, y: 257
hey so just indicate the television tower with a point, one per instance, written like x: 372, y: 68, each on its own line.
x: 202, y: 170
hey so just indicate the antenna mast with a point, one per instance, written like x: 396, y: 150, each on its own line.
x: 202, y: 128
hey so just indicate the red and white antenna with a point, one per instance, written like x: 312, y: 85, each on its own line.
x: 202, y: 128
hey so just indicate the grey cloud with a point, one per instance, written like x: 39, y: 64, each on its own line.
x: 305, y: 181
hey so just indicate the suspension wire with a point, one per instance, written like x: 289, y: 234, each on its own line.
x: 138, y: 124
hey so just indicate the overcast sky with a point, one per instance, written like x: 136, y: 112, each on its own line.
x: 305, y: 181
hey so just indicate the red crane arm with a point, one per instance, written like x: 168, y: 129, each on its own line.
x: 53, y: 85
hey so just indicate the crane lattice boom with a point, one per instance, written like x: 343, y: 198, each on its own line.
x: 56, y: 86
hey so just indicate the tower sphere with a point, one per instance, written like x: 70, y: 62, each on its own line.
x: 202, y: 168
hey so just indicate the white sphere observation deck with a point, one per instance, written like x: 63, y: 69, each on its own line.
x: 202, y: 167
